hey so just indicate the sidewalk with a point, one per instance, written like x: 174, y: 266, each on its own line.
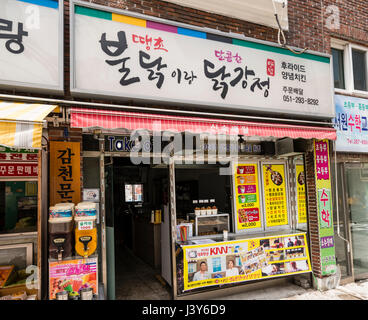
x: 290, y: 291
x: 351, y: 291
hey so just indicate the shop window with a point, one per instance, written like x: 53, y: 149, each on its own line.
x: 359, y: 70
x: 18, y: 206
x: 338, y: 68
x: 203, y: 206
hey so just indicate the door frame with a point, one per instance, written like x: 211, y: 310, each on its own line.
x: 341, y: 169
x: 347, y: 217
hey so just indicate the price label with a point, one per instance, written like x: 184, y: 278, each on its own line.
x: 85, y: 225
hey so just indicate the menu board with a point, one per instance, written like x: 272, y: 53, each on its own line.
x: 300, y: 193
x: 247, y: 196
x: 244, y: 260
x: 275, y: 194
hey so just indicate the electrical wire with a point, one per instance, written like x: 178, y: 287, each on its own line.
x: 281, y: 32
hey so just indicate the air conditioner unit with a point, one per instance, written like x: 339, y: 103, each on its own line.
x: 288, y: 147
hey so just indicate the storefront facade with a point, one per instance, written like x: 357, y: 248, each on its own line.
x: 240, y: 126
x: 259, y: 214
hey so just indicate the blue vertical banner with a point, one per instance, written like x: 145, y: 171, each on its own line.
x: 351, y: 123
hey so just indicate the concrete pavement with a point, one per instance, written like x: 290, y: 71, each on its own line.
x: 351, y: 291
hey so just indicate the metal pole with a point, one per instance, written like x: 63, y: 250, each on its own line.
x: 173, y: 226
x: 103, y: 215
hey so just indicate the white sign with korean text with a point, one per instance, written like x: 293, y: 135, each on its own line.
x: 31, y: 45
x: 351, y: 123
x: 180, y: 66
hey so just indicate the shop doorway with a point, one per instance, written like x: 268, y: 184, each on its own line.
x: 133, y: 235
x: 352, y: 182
x: 357, y: 201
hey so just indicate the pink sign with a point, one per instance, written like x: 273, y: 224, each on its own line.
x: 247, y: 189
x: 322, y: 158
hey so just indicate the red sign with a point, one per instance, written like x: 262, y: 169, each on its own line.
x: 18, y: 169
x: 270, y: 67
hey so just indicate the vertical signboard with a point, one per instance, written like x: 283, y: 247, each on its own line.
x: 300, y: 193
x: 31, y: 45
x: 275, y: 195
x: 64, y: 172
x: 248, y: 215
x: 325, y: 215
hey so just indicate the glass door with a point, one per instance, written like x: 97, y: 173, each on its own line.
x: 342, y: 223
x: 356, y: 182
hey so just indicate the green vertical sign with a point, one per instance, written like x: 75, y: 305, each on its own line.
x: 325, y: 214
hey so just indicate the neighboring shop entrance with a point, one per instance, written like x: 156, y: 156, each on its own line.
x: 133, y: 235
x: 352, y: 180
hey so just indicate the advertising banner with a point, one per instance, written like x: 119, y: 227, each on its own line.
x: 351, y: 124
x: 73, y: 275
x: 115, y: 55
x: 243, y: 260
x: 300, y: 193
x: 31, y: 44
x: 325, y: 214
x: 64, y: 172
x: 18, y: 163
x: 247, y: 207
x: 275, y: 194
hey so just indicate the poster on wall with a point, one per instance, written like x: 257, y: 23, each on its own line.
x: 351, y: 124
x: 27, y: 60
x: 325, y: 214
x: 238, y: 261
x: 300, y: 193
x: 64, y: 172
x: 247, y: 207
x: 150, y: 61
x: 275, y: 194
x: 72, y: 275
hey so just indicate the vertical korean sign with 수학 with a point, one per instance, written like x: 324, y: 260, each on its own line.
x: 324, y: 201
x: 64, y: 172
x: 115, y: 55
x: 31, y: 44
